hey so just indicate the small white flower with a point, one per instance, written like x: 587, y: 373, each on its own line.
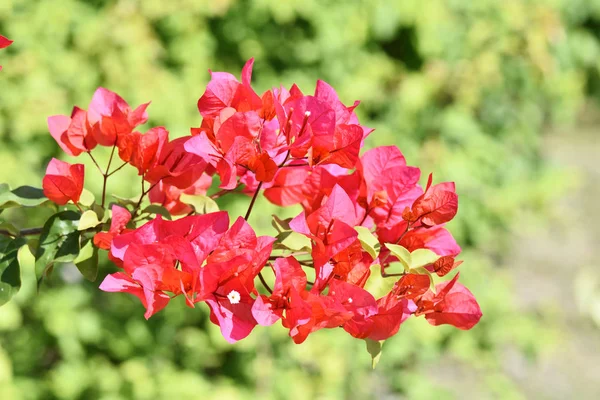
x: 234, y: 297
x: 307, y: 114
x: 350, y: 300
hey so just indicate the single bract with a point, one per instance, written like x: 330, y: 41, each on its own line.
x: 4, y: 42
x: 365, y: 254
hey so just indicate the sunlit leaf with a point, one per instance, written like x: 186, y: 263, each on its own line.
x: 294, y: 241
x: 377, y: 285
x: 421, y: 257
x: 88, y: 220
x: 201, y: 204
x: 368, y: 241
x: 401, y: 253
x: 87, y: 198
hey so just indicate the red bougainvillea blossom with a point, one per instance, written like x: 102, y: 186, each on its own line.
x: 63, y: 182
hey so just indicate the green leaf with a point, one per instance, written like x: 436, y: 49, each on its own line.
x: 201, y: 204
x: 374, y: 348
x: 59, y: 242
x: 88, y: 220
x: 293, y: 241
x: 368, y: 241
x: 99, y: 210
x: 156, y: 209
x: 87, y: 198
x: 422, y: 257
x: 280, y: 225
x: 416, y: 259
x: 25, y: 196
x: 87, y: 261
x: 377, y: 285
x: 124, y: 202
x: 10, y: 228
x: 403, y: 255
x: 10, y: 273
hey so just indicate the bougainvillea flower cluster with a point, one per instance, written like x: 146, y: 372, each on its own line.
x: 369, y: 249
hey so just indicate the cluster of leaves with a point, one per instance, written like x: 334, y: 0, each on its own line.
x: 294, y: 148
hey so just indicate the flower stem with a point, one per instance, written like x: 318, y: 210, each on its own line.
x: 262, y: 280
x: 253, y: 201
x: 105, y: 175
x: 23, y: 232
x: 121, y: 166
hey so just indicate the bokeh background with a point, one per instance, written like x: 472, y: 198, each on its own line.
x: 499, y: 96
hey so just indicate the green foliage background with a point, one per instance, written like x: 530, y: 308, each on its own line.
x: 464, y: 88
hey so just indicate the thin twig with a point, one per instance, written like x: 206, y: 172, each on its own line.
x: 252, y: 201
x: 121, y: 166
x: 23, y: 232
x: 223, y: 192
x: 105, y: 175
x: 144, y: 193
x: 95, y: 162
x: 262, y: 280
x: 385, y: 275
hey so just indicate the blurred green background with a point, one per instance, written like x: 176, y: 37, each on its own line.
x: 499, y: 96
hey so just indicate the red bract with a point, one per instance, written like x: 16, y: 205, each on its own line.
x: 331, y: 229
x: 63, y: 182
x: 359, y: 302
x: 443, y: 265
x: 121, y: 282
x: 112, y: 116
x: 177, y: 166
x: 288, y: 187
x: 437, y: 239
x: 4, y: 42
x: 436, y: 206
x: 145, y: 149
x: 389, y: 185
x: 73, y: 134
x: 286, y: 301
x: 453, y: 304
x: 224, y: 90
x: 119, y: 220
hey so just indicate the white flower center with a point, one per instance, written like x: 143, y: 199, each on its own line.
x: 350, y: 300
x: 234, y: 297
